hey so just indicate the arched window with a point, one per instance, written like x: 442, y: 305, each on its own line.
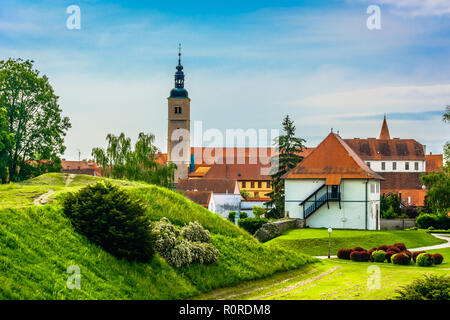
x: 177, y: 110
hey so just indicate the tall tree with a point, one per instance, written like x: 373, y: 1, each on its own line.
x: 120, y: 161
x: 446, y: 118
x: 33, y: 116
x: 6, y: 144
x: 289, y: 155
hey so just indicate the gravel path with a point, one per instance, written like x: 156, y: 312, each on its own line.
x: 437, y: 246
x: 43, y: 199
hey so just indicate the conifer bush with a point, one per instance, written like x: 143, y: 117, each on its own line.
x: 425, y: 260
x: 401, y: 258
x: 110, y: 218
x: 379, y: 256
x: 437, y: 258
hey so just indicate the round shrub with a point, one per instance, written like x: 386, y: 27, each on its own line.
x: 379, y: 256
x: 203, y: 253
x: 401, y: 258
x: 166, y: 235
x: 232, y: 216
x: 425, y: 260
x: 400, y: 246
x: 383, y: 247
x: 251, y: 225
x: 243, y: 215
x: 358, y: 249
x: 195, y: 232
x: 344, y: 254
x: 394, y: 249
x: 180, y: 255
x: 416, y: 253
x: 360, y: 256
x: 110, y: 218
x: 389, y: 255
x: 437, y: 258
x: 426, y: 220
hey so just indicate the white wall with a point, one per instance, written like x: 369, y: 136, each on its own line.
x: 351, y: 215
x: 227, y: 202
x: 376, y: 166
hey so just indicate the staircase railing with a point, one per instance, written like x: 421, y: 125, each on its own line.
x: 313, y: 202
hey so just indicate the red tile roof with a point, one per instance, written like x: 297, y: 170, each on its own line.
x: 394, y: 149
x: 81, y: 167
x: 433, y: 162
x: 214, y: 185
x: 332, y: 160
x: 240, y: 172
x: 400, y: 180
x: 199, y: 197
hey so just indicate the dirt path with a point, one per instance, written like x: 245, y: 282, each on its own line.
x: 43, y: 199
x: 69, y: 179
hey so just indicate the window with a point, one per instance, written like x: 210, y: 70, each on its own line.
x: 372, y: 188
x: 377, y: 188
x: 244, y: 184
x: 267, y: 184
x: 368, y: 164
x: 259, y: 184
x: 177, y: 110
x: 406, y: 165
x: 252, y: 184
x: 394, y: 165
x: 383, y: 166
x: 416, y: 166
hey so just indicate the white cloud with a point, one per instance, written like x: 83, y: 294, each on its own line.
x: 417, y: 8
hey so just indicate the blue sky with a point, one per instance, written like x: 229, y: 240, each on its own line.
x: 247, y: 64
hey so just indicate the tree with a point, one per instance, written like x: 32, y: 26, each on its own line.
x: 438, y: 195
x: 289, y: 150
x: 121, y: 162
x: 33, y: 117
x: 446, y: 118
x: 6, y: 144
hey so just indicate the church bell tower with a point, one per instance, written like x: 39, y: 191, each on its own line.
x: 178, y: 139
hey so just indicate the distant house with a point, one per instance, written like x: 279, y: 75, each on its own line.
x: 334, y: 187
x: 81, y: 167
x: 225, y: 192
x: 202, y: 198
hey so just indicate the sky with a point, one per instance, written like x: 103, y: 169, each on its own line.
x: 248, y: 64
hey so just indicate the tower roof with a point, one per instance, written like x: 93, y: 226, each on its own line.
x: 384, y: 133
x: 332, y: 160
x: 179, y: 91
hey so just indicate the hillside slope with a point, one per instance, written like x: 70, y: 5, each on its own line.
x: 38, y: 244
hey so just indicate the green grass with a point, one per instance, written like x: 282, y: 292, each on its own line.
x: 315, y: 241
x: 37, y: 244
x: 328, y: 280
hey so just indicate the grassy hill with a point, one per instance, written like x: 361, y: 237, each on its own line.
x: 38, y: 244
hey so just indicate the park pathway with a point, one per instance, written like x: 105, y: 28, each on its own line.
x: 437, y: 246
x: 43, y: 199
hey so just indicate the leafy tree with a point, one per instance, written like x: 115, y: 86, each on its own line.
x: 438, y: 195
x: 120, y: 161
x: 392, y: 200
x: 6, y: 144
x: 33, y: 117
x: 446, y: 118
x: 289, y: 148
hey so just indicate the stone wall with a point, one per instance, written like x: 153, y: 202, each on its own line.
x: 273, y: 229
x: 397, y: 224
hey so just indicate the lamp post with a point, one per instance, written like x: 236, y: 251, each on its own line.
x: 329, y: 241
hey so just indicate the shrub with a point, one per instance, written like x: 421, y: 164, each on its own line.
x: 110, y: 218
x: 389, y: 214
x: 358, y: 249
x: 415, y: 254
x: 401, y: 246
x: 258, y: 211
x: 437, y: 258
x: 389, y: 255
x: 267, y: 232
x: 195, y: 232
x: 430, y: 287
x: 426, y: 220
x: 166, y: 236
x: 251, y: 225
x: 344, y: 254
x: 243, y: 215
x: 180, y: 255
x: 379, y: 256
x: 383, y: 247
x: 361, y: 256
x: 401, y: 258
x: 232, y: 216
x: 425, y: 259
x: 394, y: 249
x: 203, y: 253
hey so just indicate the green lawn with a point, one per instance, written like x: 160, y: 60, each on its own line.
x: 332, y: 279
x: 315, y: 241
x: 38, y: 243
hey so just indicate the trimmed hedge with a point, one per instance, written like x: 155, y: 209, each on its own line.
x: 402, y: 258
x: 400, y: 245
x: 425, y: 260
x: 251, y: 225
x: 437, y: 258
x: 379, y: 256
x: 383, y: 247
x: 360, y: 256
x: 415, y: 254
x: 344, y: 254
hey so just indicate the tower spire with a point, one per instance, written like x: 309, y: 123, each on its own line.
x: 384, y: 133
x: 179, y: 75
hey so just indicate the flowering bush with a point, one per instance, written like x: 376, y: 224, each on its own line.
x: 166, y: 236
x: 180, y: 255
x: 203, y: 253
x: 194, y: 231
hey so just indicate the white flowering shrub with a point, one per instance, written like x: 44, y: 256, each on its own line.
x: 166, y: 236
x: 195, y: 232
x: 203, y: 253
x: 180, y: 255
